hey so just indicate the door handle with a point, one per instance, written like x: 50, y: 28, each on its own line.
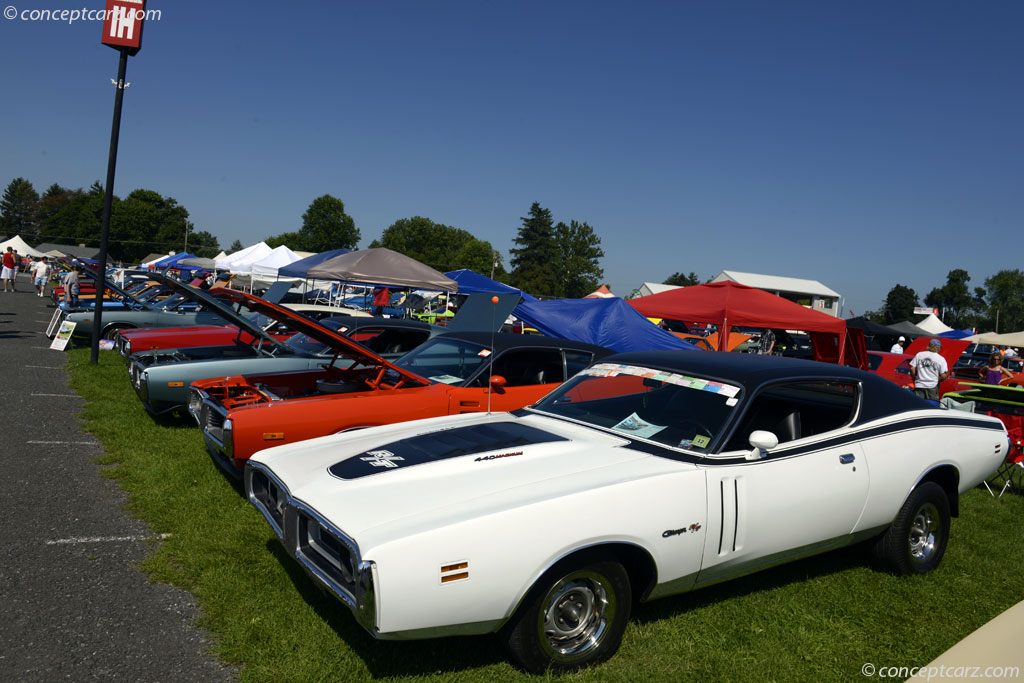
x: 846, y: 459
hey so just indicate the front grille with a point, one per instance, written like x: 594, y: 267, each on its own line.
x: 325, y: 551
x: 213, y: 422
x: 269, y: 497
x: 123, y: 346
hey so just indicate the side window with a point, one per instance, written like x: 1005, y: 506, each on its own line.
x: 576, y: 361
x: 526, y: 367
x: 796, y: 410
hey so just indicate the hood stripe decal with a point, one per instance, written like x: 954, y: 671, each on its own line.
x: 441, y: 445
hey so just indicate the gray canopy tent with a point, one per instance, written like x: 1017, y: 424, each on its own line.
x: 382, y: 267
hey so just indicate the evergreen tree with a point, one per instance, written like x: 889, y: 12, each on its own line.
x: 534, y: 263
x: 235, y: 246
x: 18, y: 208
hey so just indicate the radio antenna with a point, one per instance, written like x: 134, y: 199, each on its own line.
x: 490, y: 370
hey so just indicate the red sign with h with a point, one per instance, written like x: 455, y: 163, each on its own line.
x: 122, y: 24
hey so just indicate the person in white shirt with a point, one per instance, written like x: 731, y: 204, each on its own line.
x: 1008, y: 352
x: 899, y: 346
x: 40, y: 276
x: 928, y: 368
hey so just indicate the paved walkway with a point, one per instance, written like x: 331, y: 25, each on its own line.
x: 74, y: 605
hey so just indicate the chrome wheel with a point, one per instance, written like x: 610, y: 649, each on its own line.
x: 576, y: 614
x: 924, y: 532
x: 574, y: 617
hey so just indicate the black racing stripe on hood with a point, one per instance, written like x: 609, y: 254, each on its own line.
x: 441, y: 445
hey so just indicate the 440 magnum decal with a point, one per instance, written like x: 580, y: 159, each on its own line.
x: 495, y: 457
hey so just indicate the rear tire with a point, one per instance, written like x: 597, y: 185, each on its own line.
x: 916, y: 541
x: 572, y: 618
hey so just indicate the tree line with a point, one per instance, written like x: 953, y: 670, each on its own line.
x: 998, y: 306
x: 550, y: 259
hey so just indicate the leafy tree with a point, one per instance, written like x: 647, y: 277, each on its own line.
x: 50, y: 204
x: 535, y: 261
x: 203, y: 243
x: 579, y: 250
x: 680, y: 280
x: 326, y: 226
x: 899, y: 304
x: 237, y: 246
x: 77, y: 221
x: 959, y: 308
x: 288, y: 239
x: 144, y: 221
x: 18, y: 209
x: 1005, y: 300
x: 439, y: 246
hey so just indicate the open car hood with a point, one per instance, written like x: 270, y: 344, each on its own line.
x: 951, y: 348
x: 343, y: 346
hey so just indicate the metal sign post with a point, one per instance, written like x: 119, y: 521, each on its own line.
x: 122, y: 30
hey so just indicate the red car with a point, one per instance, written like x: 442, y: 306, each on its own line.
x: 130, y: 340
x: 895, y: 367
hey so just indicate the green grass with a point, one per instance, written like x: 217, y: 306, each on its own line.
x: 818, y: 619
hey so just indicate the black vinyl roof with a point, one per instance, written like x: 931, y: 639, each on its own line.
x: 750, y: 371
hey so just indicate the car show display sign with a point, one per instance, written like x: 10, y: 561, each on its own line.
x: 60, y: 342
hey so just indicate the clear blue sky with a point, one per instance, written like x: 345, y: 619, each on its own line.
x: 862, y: 144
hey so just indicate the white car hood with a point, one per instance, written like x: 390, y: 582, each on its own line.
x: 359, y: 483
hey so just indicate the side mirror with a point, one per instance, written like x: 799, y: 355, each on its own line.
x: 761, y: 442
x: 498, y: 382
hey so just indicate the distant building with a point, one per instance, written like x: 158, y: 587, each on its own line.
x: 69, y: 250
x: 648, y: 288
x: 809, y: 293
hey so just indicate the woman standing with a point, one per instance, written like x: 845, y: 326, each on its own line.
x: 994, y: 372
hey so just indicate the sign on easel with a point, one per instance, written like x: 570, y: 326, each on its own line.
x: 60, y: 342
x: 54, y: 322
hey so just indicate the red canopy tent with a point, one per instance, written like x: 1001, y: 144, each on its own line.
x: 727, y: 304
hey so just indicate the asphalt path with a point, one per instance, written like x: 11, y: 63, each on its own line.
x: 73, y: 603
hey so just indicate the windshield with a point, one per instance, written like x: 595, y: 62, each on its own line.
x: 303, y: 343
x: 171, y: 302
x: 636, y: 402
x: 449, y: 361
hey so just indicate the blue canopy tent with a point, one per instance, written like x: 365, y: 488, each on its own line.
x: 611, y: 323
x: 301, y: 267
x: 170, y: 260
x: 471, y: 282
x: 956, y: 334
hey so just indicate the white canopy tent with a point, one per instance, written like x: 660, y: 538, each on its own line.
x: 933, y: 325
x: 19, y: 245
x: 241, y: 261
x: 267, y: 267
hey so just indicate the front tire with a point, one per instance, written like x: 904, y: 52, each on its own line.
x: 111, y: 332
x: 573, y: 617
x: 916, y: 541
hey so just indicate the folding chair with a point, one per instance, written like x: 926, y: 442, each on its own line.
x: 1011, y: 471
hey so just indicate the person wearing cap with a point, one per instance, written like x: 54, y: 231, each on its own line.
x: 900, y: 346
x: 928, y: 368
